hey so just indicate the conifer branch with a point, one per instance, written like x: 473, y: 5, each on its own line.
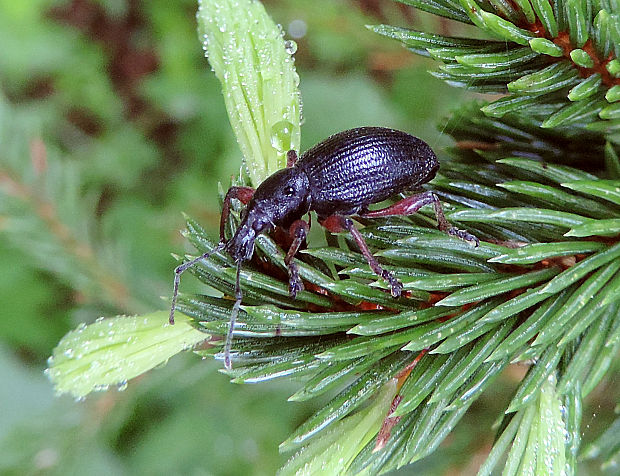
x: 44, y: 216
x: 562, y: 55
x: 534, y: 174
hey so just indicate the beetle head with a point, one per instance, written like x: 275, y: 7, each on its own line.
x: 283, y: 197
x: 280, y: 200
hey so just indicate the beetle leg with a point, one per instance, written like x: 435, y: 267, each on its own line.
x: 406, y: 206
x: 338, y: 223
x: 298, y: 232
x: 243, y: 194
x: 410, y: 205
x: 233, y: 319
x: 291, y: 158
x: 179, y: 270
x: 444, y: 225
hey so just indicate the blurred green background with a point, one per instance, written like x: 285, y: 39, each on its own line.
x: 111, y: 125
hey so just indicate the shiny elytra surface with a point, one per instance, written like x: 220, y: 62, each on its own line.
x: 358, y: 167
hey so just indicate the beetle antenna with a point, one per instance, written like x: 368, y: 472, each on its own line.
x: 233, y: 318
x: 181, y: 268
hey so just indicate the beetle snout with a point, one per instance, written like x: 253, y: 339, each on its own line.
x: 241, y: 245
x: 255, y: 221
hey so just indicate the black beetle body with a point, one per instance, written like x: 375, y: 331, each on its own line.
x: 341, y: 175
x: 356, y: 168
x: 337, y: 178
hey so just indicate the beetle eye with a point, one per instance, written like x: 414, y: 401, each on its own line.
x: 289, y: 191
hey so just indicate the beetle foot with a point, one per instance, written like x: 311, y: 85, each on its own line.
x: 294, y: 281
x: 464, y: 235
x: 294, y: 287
x: 396, y: 285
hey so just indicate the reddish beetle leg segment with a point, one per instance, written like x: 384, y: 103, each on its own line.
x: 337, y: 224
x: 291, y: 158
x: 243, y: 194
x: 407, y: 206
x: 410, y: 205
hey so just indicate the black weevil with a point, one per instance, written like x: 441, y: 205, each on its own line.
x: 336, y: 178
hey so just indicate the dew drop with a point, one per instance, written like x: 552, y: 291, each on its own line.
x: 290, y: 46
x: 281, y: 136
x: 122, y: 386
x: 69, y: 353
x: 302, y: 119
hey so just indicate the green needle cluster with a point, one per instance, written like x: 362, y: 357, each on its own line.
x: 535, y: 175
x: 562, y: 54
